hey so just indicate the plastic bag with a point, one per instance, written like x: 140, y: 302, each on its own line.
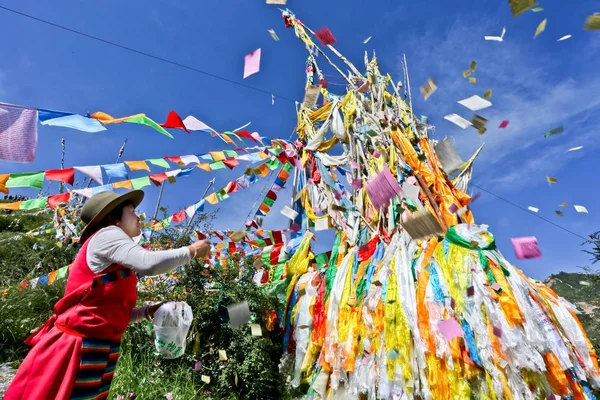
x: 171, y: 325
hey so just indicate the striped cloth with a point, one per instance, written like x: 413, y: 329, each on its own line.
x: 96, y: 369
x: 18, y: 133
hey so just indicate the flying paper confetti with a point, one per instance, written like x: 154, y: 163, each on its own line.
x: 551, y: 179
x: 367, y: 40
x: 272, y: 99
x: 325, y: 36
x: 473, y: 66
x: 553, y: 131
x: 487, y: 94
x: 526, y: 247
x: 466, y: 73
x: 288, y: 212
x: 475, y: 103
x: 479, y: 123
x: 423, y: 224
x: 564, y: 38
x: 256, y: 330
x: 450, y: 329
x: 537, y: 9
x: 518, y: 7
x: 252, y: 63
x: 559, y: 213
x: 581, y: 209
x: 276, y: 1
x: 503, y: 124
x: 448, y: 156
x: 273, y: 34
x: 205, y: 378
x: 458, y: 120
x: 428, y: 88
x: 222, y: 355
x: 472, y: 80
x: 533, y: 209
x: 563, y: 204
x: 497, y: 38
x: 585, y: 283
x: 575, y: 148
x: 592, y: 23
x: 541, y: 27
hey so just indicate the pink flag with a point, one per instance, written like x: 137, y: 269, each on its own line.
x: 18, y: 133
x: 252, y: 63
x: 526, y: 247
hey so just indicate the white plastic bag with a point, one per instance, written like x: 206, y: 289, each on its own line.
x: 171, y: 325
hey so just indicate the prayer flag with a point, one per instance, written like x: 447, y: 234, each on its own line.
x: 179, y: 216
x: 157, y: 179
x: 11, y: 206
x: 62, y: 175
x: 141, y: 182
x: 109, y: 119
x: 159, y: 162
x: 174, y: 121
x: 137, y: 165
x: 73, y: 121
x: 18, y: 134
x: 30, y: 179
x: 3, y: 179
x: 123, y: 185
x: 144, y: 120
x: 94, y: 172
x: 34, y: 204
x: 115, y: 170
x: 194, y: 124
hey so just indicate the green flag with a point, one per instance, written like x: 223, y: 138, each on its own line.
x: 143, y: 120
x: 230, y: 153
x: 229, y: 133
x: 273, y: 164
x: 33, y: 204
x: 216, y: 165
x: 269, y: 202
x: 141, y: 182
x: 167, y: 222
x: 159, y: 162
x: 287, y: 166
x: 30, y: 179
x: 62, y: 272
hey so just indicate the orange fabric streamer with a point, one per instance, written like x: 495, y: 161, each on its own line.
x: 109, y: 119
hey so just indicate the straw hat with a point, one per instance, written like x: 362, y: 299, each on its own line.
x: 100, y: 205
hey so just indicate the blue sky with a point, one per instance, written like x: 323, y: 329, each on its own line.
x: 537, y: 85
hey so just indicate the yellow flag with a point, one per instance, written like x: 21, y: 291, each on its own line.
x: 137, y: 165
x: 122, y: 185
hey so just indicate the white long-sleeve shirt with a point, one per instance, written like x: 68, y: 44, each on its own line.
x: 113, y: 246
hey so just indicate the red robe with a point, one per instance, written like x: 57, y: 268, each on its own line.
x: 75, y: 352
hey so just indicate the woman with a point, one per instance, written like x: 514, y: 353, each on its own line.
x: 75, y: 352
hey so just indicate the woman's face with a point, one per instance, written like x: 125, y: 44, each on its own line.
x: 130, y: 222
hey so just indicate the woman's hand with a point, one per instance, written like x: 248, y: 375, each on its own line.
x: 199, y: 249
x: 152, y: 309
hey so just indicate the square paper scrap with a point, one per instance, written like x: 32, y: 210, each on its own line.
x: 475, y: 103
x: 450, y: 329
x: 526, y: 247
x: 383, y: 188
x: 458, y: 120
x: 252, y: 63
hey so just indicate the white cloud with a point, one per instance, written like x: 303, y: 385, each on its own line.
x: 528, y: 90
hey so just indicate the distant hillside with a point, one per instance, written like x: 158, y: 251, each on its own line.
x: 582, y: 291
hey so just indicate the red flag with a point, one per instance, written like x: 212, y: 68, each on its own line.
x: 56, y: 199
x: 174, y: 159
x: 174, y: 121
x: 231, y: 248
x: 325, y: 36
x: 231, y: 162
x: 63, y: 175
x: 271, y: 195
x: 231, y: 187
x: 246, y: 134
x: 179, y: 217
x: 367, y: 250
x: 201, y: 236
x: 157, y: 179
